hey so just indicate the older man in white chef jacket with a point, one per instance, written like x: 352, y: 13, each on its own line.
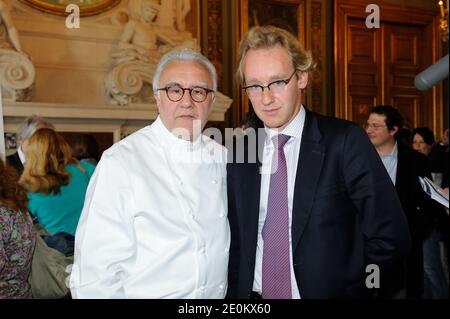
x: 154, y: 222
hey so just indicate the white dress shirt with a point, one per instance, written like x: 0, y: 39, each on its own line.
x: 291, y: 151
x: 154, y: 222
x: 390, y: 162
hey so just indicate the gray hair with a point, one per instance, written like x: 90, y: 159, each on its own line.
x: 184, y: 55
x: 30, y: 125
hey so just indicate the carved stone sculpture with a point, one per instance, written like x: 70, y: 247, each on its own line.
x: 173, y: 14
x: 140, y: 47
x: 17, y: 73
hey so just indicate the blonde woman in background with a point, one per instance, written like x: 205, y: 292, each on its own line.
x: 56, y: 182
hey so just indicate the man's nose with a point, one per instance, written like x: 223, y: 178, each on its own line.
x: 267, y: 96
x: 186, y: 100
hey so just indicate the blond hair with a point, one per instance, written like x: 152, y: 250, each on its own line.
x: 269, y: 36
x: 47, y: 155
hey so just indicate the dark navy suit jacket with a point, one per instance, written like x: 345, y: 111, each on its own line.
x: 346, y: 214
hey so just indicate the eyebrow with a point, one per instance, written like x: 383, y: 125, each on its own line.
x: 197, y: 85
x: 272, y: 79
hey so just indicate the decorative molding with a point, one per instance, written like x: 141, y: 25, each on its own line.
x: 142, y: 113
x: 125, y: 82
x: 17, y: 75
x: 86, y: 9
x: 117, y: 120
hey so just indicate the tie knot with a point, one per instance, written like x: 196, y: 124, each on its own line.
x: 279, y: 140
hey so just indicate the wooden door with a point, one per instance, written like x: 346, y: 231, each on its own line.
x: 406, y: 54
x: 363, y: 69
x: 378, y: 66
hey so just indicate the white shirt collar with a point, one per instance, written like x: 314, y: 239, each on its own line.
x: 21, y: 155
x: 294, y: 129
x: 169, y: 139
x: 394, y: 152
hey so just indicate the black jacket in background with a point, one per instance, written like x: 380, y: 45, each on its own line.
x: 14, y: 161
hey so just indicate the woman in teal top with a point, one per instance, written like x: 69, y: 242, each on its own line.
x: 56, y: 182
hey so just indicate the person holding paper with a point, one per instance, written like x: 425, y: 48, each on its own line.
x: 435, y: 283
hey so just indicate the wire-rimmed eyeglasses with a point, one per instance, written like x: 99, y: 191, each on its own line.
x: 175, y: 93
x: 373, y: 126
x: 275, y: 86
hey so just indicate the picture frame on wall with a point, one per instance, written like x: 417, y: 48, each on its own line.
x: 285, y: 14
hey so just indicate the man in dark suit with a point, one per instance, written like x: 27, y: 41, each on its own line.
x: 404, y: 166
x: 317, y: 209
x: 30, y: 125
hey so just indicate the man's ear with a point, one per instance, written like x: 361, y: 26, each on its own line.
x: 157, y: 97
x: 302, y: 80
x: 393, y: 131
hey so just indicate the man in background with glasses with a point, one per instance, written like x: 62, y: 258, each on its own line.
x: 317, y: 213
x: 154, y: 223
x: 404, y: 167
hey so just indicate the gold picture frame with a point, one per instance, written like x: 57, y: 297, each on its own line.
x: 287, y: 14
x: 58, y: 7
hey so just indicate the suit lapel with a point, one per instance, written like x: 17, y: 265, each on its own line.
x: 309, y: 166
x: 252, y: 189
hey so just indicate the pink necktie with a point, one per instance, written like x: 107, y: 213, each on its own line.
x: 276, y: 274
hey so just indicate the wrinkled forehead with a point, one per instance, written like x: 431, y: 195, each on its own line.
x: 186, y: 73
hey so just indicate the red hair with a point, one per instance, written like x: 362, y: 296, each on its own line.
x: 12, y: 194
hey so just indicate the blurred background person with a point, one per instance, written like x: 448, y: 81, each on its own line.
x: 435, y: 280
x: 17, y: 237
x: 26, y: 129
x: 56, y: 183
x: 404, y: 136
x: 404, y: 167
x: 85, y: 148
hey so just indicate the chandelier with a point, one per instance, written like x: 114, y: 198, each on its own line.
x: 444, y: 20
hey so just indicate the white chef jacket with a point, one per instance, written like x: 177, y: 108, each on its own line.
x: 154, y: 222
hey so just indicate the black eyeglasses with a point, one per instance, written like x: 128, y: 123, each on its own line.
x: 175, y: 93
x: 275, y: 86
x: 373, y: 126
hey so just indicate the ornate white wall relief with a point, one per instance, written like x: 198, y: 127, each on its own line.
x: 141, y: 45
x: 16, y: 70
